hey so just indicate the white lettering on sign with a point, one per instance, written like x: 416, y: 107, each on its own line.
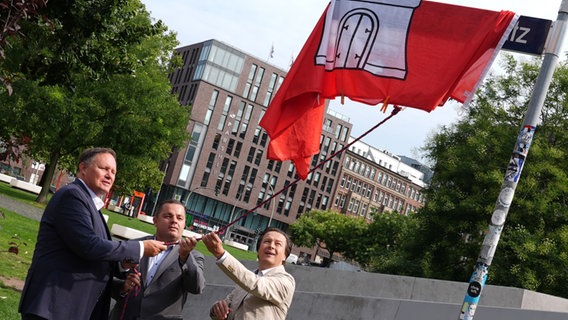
x: 520, y: 37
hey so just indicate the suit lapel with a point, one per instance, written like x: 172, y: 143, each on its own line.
x: 97, y: 219
x: 171, y: 257
x: 104, y: 224
x: 143, y: 267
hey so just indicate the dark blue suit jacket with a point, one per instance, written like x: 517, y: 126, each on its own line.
x: 74, y: 259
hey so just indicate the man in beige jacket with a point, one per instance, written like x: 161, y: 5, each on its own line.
x: 265, y: 293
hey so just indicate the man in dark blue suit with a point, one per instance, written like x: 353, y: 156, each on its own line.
x: 75, y: 258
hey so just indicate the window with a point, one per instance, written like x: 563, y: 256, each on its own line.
x: 231, y: 170
x: 271, y: 86
x: 316, y: 179
x: 329, y: 185
x: 290, y: 173
x: 257, y: 82
x: 356, y: 206
x: 230, y: 146
x: 220, y: 65
x: 363, y: 210
x: 344, y: 134
x: 335, y: 167
x: 263, y: 139
x: 238, y: 149
x: 323, y: 183
x: 216, y: 141
x: 196, y: 140
x: 211, y: 107
x: 249, y: 80
x: 251, y: 153
x: 256, y: 136
x: 258, y: 157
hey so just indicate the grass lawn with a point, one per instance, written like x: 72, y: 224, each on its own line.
x: 21, y: 232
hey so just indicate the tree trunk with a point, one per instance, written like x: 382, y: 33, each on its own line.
x: 47, y: 177
x: 43, y: 176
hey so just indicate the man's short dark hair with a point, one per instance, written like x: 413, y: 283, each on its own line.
x: 169, y: 201
x: 288, y: 247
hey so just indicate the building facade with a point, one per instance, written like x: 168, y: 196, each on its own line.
x: 223, y: 174
x: 376, y: 180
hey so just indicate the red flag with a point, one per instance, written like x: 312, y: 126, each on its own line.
x: 412, y: 53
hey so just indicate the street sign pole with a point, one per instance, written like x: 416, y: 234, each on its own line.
x: 513, y: 173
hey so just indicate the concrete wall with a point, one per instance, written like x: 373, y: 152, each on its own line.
x: 334, y: 294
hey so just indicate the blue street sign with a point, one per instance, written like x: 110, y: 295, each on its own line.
x: 528, y: 36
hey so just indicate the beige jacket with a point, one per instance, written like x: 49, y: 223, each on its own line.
x: 266, y: 297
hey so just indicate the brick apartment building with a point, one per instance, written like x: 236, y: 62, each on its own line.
x: 373, y: 179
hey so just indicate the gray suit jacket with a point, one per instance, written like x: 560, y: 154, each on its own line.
x: 74, y: 259
x: 266, y: 297
x: 166, y: 294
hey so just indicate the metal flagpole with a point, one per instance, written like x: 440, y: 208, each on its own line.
x: 513, y: 173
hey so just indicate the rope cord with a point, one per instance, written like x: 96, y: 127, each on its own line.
x: 136, y: 292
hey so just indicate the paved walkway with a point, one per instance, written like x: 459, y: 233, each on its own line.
x: 21, y: 208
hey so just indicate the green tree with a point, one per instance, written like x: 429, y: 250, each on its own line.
x: 470, y: 159
x: 381, y: 243
x: 11, y: 13
x: 331, y: 231
x: 65, y: 106
x: 83, y: 37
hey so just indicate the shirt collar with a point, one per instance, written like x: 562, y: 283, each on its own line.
x: 99, y: 203
x: 265, y: 271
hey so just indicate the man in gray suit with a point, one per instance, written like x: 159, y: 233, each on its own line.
x: 264, y: 294
x: 159, y: 288
x: 74, y: 259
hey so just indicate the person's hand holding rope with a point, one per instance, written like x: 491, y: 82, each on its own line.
x: 132, y: 281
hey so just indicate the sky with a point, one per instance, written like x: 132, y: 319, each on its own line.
x: 255, y: 26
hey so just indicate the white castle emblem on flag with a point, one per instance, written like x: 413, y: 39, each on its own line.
x: 369, y: 35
